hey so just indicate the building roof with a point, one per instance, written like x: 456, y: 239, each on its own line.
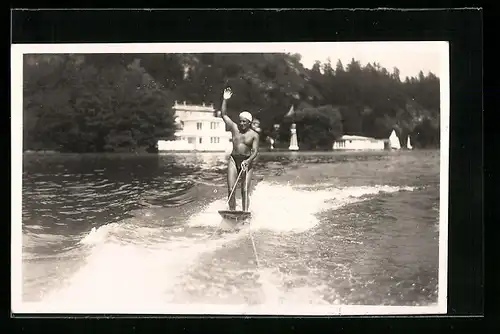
x: 199, y: 133
x: 200, y: 118
x: 194, y: 107
x: 353, y: 137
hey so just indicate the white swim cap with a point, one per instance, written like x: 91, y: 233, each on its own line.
x: 246, y: 115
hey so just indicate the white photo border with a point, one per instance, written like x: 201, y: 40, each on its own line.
x: 20, y: 307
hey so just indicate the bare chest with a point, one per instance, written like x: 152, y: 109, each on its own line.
x: 243, y: 138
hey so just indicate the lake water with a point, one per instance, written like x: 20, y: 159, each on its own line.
x: 328, y: 228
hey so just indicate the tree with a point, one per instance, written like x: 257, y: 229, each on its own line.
x: 76, y: 106
x: 115, y: 102
x: 317, y: 128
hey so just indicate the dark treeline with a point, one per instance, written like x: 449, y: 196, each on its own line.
x: 123, y: 102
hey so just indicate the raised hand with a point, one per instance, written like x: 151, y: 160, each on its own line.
x: 227, y: 93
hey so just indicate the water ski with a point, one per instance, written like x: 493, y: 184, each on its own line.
x: 235, y: 215
x: 233, y: 220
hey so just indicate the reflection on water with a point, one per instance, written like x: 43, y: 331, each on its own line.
x: 329, y: 228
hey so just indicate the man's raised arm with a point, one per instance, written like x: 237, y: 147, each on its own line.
x: 227, y: 95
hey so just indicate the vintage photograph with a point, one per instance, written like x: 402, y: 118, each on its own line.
x: 230, y: 178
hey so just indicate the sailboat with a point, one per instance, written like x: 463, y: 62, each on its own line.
x: 408, y: 145
x: 394, y: 141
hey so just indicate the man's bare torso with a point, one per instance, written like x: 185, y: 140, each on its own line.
x: 242, y: 142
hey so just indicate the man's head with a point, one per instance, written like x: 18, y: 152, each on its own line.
x: 245, y: 121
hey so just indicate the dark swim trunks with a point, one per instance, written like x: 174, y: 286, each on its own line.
x: 238, y: 159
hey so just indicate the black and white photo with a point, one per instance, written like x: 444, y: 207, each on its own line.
x: 306, y: 178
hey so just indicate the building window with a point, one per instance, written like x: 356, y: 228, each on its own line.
x: 190, y: 140
x: 200, y: 140
x: 199, y: 126
x: 214, y: 140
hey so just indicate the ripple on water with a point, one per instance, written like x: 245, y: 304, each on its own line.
x: 362, y: 246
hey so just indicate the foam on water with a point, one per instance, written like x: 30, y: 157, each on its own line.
x: 129, y: 263
x: 117, y: 272
x: 283, y: 208
x: 273, y: 292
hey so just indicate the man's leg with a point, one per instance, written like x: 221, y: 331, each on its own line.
x: 232, y: 174
x: 245, y: 187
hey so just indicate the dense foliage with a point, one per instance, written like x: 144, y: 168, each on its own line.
x: 72, y: 104
x: 123, y: 102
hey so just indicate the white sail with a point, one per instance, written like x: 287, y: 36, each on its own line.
x: 409, y: 143
x: 394, y: 140
x: 294, y: 145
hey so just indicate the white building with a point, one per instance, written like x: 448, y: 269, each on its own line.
x: 198, y: 129
x: 348, y: 142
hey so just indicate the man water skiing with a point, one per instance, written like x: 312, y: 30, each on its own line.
x: 245, y: 150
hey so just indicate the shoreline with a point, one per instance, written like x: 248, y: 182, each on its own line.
x: 221, y: 153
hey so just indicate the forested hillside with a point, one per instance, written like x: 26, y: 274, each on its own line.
x: 123, y: 102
